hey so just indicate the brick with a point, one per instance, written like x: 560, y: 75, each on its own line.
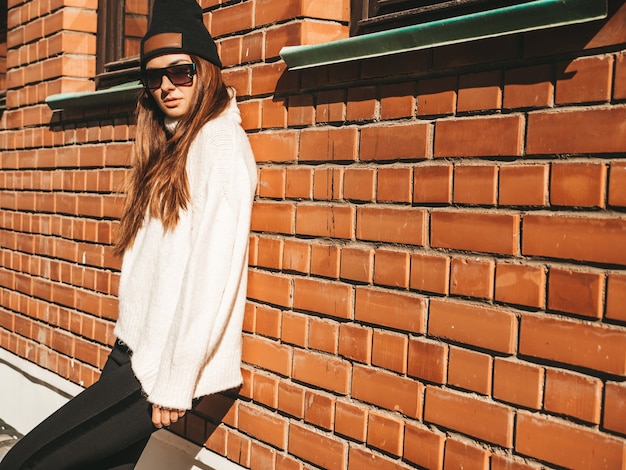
x: 327, y: 372
x: 521, y: 284
x: 617, y: 184
x: 423, y: 447
x: 268, y: 321
x: 578, y: 184
x: 472, y: 324
x: 432, y: 184
x: 600, y: 240
x: 394, y: 185
x: 295, y: 328
x: 392, y: 309
x: 481, y: 51
x: 500, y: 136
x: 272, y: 183
x: 324, y: 335
x: 386, y: 390
x: 428, y: 360
x: 351, y: 421
x: 591, y: 346
x: 576, y: 292
x: 464, y: 455
x: 619, y: 87
x: 500, y: 462
x: 475, y: 184
x: 359, y: 184
x: 273, y: 113
x: 270, y: 78
x: 267, y: 354
x: 273, y: 217
x: 480, y: 91
x: 300, y: 112
x: 263, y: 425
x: 336, y: 302
x: 291, y: 399
x: 614, y: 410
x: 567, y: 445
x: 470, y: 370
x: 489, y: 421
x: 390, y: 351
x: 319, y: 410
x: 357, y: 264
x: 327, y: 184
x: 571, y: 394
x: 437, y: 96
x: 269, y: 252
x: 232, y: 19
x: 361, y: 104
x: 523, y: 185
x: 397, y: 142
x: 575, y: 131
x: 299, y: 184
x: 391, y: 268
x: 528, y: 87
x: 397, y: 101
x: 584, y: 80
x: 472, y: 277
x: 360, y: 458
x: 518, y: 383
x: 325, y: 261
x: 327, y: 221
x: 269, y: 12
x: 320, y: 449
x: 385, y: 433
x: 331, y: 106
x: 261, y: 456
x: 302, y: 32
x: 475, y: 231
x: 430, y: 273
x: 265, y: 390
x: 271, y: 288
x: 355, y: 342
x: 252, y: 47
x: 328, y: 144
x: 274, y: 147
x: 407, y: 226
x: 616, y: 297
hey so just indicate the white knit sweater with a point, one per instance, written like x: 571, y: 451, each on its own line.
x: 182, y: 292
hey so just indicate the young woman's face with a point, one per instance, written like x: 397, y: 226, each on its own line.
x: 174, y: 100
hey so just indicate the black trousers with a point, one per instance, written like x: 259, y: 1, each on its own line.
x: 106, y: 426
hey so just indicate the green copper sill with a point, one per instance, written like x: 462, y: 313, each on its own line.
x: 124, y: 93
x: 539, y: 14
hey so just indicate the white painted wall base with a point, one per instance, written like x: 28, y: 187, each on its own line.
x: 29, y: 393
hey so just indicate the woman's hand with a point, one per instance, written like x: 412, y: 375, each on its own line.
x: 163, y: 417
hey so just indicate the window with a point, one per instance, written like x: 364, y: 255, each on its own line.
x: 368, y: 16
x: 3, y: 53
x: 121, y: 25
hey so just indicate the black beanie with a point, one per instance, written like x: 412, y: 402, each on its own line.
x: 177, y: 27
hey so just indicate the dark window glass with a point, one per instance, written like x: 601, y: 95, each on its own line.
x: 368, y: 16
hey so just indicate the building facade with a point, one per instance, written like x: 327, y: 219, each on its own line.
x: 437, y: 268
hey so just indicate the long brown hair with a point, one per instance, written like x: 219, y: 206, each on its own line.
x: 158, y: 185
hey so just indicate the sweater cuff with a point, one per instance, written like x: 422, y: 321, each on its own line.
x: 174, y: 390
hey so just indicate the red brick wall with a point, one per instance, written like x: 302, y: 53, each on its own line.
x: 438, y: 248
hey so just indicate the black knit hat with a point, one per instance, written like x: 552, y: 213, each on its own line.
x: 177, y: 27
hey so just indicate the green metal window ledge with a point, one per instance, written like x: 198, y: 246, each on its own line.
x: 539, y: 14
x: 119, y: 94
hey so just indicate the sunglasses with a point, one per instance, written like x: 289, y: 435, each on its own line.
x: 179, y: 75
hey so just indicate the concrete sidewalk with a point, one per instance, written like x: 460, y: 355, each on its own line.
x: 8, y: 437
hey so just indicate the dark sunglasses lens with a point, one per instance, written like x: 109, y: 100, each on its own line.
x: 178, y: 75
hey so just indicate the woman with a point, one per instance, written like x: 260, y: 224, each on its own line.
x: 184, y: 237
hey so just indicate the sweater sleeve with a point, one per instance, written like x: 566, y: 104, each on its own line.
x: 212, y: 283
